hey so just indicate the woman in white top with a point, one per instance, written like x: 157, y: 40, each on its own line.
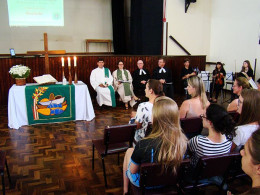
x: 143, y: 116
x: 248, y: 108
x: 239, y: 84
x: 198, y: 103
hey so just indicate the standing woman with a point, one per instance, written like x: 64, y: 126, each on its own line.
x: 198, y: 103
x: 218, y: 81
x: 246, y: 70
x: 123, y: 85
x: 166, y: 144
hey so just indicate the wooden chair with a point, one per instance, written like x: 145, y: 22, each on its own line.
x: 210, y: 166
x: 153, y: 181
x: 3, y: 164
x: 114, y: 142
x: 191, y: 126
x: 235, y: 115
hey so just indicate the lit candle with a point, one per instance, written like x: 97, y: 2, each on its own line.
x: 62, y: 62
x: 68, y: 61
x: 75, y: 61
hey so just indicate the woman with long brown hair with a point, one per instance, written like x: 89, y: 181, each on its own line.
x: 251, y: 162
x: 198, y: 103
x: 239, y: 84
x: 248, y: 108
x: 166, y: 144
x: 246, y: 70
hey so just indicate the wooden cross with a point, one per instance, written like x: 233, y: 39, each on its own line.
x: 46, y: 53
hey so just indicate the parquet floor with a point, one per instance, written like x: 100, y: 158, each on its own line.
x: 56, y: 158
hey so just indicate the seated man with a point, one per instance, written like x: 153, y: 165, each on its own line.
x: 101, y: 80
x: 164, y: 75
x: 140, y: 77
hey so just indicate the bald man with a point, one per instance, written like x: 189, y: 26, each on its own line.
x: 140, y: 77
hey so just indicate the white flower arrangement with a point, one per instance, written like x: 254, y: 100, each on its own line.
x: 19, y: 71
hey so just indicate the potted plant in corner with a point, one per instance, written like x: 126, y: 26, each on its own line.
x: 20, y: 73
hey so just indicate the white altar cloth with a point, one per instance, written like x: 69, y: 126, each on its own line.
x: 17, y: 112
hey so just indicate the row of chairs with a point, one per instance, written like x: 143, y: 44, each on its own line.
x: 117, y: 139
x: 207, y: 167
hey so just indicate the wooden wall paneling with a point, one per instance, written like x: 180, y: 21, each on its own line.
x: 86, y: 64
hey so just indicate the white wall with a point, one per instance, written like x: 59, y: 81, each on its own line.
x: 235, y: 31
x: 191, y: 29
x: 224, y: 30
x: 83, y: 19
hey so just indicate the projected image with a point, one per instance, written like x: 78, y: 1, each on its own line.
x: 35, y: 12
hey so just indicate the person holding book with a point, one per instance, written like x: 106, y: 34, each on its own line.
x: 123, y: 85
x: 101, y: 80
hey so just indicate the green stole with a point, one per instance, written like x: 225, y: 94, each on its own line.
x: 111, y: 89
x: 126, y: 85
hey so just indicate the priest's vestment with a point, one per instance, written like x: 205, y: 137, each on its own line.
x: 105, y: 95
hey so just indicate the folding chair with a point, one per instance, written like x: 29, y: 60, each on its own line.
x: 114, y: 142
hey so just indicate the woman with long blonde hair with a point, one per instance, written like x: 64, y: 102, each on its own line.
x: 198, y: 103
x: 166, y: 144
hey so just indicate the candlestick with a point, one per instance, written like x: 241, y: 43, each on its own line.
x: 69, y: 61
x: 63, y: 75
x: 62, y: 62
x: 76, y: 78
x: 70, y: 77
x: 75, y: 61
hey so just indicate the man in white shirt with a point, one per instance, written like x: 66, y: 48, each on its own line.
x: 101, y: 80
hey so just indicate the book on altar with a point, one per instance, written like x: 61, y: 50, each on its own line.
x: 45, y: 79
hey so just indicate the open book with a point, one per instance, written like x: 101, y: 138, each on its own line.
x: 121, y: 81
x: 45, y: 79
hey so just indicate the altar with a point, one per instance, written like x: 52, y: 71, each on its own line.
x: 17, y: 112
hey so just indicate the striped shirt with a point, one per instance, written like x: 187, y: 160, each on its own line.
x: 202, y: 146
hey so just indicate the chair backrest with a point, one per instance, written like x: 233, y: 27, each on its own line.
x: 119, y: 134
x: 191, y: 126
x: 151, y: 175
x: 210, y: 166
x: 235, y: 115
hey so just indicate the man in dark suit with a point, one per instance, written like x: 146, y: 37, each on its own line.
x: 164, y: 75
x: 140, y: 77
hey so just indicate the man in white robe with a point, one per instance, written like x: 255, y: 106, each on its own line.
x: 101, y: 80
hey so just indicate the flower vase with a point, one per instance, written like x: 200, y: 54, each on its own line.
x: 20, y: 81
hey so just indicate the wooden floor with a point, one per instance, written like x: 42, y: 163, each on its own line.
x: 56, y: 158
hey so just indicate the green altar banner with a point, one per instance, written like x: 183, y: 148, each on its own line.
x: 50, y: 103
